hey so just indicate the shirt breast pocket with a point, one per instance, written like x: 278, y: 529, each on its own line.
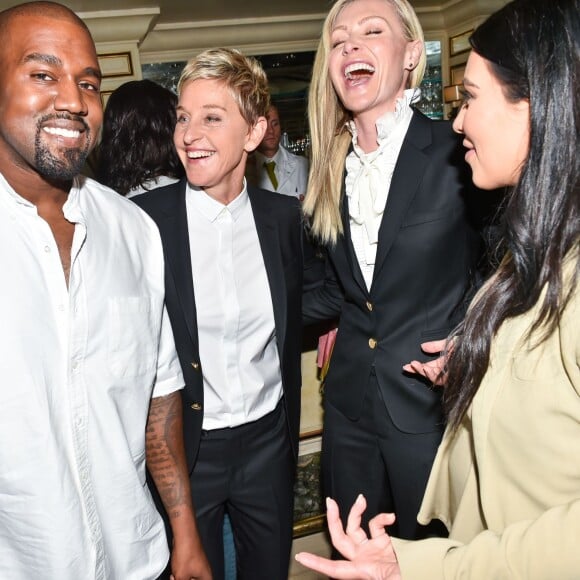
x: 133, y: 331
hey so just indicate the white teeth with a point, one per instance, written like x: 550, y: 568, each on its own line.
x: 357, y: 66
x: 199, y: 154
x: 68, y: 133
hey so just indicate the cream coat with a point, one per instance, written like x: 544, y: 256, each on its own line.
x: 507, y: 485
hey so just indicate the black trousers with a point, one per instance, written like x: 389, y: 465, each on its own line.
x: 249, y: 472
x: 371, y: 456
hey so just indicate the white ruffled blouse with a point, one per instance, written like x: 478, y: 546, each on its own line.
x: 368, y: 179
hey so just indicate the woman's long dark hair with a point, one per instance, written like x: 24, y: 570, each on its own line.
x: 137, y: 139
x: 533, y: 47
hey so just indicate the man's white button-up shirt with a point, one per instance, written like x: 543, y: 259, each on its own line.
x: 78, y: 368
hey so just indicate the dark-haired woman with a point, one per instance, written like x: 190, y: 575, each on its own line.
x: 506, y: 480
x: 136, y: 153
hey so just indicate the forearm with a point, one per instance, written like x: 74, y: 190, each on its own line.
x: 167, y: 465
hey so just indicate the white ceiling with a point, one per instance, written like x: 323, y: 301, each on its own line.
x: 171, y: 11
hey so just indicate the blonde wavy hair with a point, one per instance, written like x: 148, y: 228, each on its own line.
x: 242, y: 75
x: 330, y: 138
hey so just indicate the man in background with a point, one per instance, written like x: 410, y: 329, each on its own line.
x: 274, y: 166
x: 88, y: 360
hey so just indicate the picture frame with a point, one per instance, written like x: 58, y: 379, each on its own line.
x: 460, y: 43
x: 309, y: 505
x: 456, y: 74
x: 118, y: 64
x: 105, y: 97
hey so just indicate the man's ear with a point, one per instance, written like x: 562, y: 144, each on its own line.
x: 256, y: 134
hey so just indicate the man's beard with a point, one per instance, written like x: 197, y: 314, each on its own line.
x: 63, y: 168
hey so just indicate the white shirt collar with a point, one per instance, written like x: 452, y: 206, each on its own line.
x: 210, y: 208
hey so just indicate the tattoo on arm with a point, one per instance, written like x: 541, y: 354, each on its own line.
x: 165, y: 453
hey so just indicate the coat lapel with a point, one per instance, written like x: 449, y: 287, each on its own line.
x: 271, y: 252
x: 173, y: 228
x: 407, y: 176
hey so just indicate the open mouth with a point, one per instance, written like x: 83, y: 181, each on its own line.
x: 199, y: 154
x: 358, y: 70
x: 62, y: 132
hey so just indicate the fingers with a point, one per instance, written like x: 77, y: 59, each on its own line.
x: 434, y: 346
x: 378, y: 524
x: 353, y: 528
x: 334, y: 569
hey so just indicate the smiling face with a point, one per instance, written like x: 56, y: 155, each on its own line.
x: 213, y: 139
x: 496, y: 130
x: 370, y: 59
x: 50, y: 107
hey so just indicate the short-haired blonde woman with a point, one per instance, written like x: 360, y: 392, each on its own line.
x: 233, y: 291
x: 386, y: 197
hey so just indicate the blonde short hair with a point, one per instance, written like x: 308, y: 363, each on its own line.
x: 242, y: 75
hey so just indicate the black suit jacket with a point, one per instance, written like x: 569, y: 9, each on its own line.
x: 279, y: 227
x: 426, y: 262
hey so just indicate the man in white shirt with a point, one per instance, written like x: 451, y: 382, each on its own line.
x: 275, y: 168
x: 234, y: 270
x: 89, y: 378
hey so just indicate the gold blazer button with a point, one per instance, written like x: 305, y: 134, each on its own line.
x: 196, y: 406
x: 369, y: 306
x: 195, y: 365
x: 372, y: 343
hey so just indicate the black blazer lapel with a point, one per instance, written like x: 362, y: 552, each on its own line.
x: 270, y: 246
x: 407, y: 176
x: 173, y: 229
x: 346, y: 242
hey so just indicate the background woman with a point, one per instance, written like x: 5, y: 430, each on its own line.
x: 137, y: 153
x: 506, y: 477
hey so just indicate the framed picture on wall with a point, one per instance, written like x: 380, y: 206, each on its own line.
x: 456, y: 74
x: 460, y: 43
x: 309, y: 507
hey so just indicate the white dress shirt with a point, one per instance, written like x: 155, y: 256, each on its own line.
x: 368, y: 180
x: 78, y: 368
x: 235, y: 316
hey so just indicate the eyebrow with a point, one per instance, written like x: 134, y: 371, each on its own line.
x: 362, y: 21
x: 468, y: 83
x: 208, y: 106
x: 51, y: 60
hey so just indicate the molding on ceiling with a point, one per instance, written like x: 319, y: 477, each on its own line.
x: 268, y: 35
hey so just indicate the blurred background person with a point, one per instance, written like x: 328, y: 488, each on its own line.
x: 275, y: 168
x: 505, y: 480
x: 136, y: 153
x: 386, y: 196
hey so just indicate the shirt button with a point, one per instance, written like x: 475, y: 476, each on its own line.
x: 372, y: 343
x: 369, y: 306
x: 196, y: 406
x: 47, y: 249
x: 195, y: 365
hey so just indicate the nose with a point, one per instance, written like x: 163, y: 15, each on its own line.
x: 69, y: 97
x: 349, y: 46
x: 189, y: 133
x: 458, y: 121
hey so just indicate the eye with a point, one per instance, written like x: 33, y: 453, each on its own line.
x: 466, y: 97
x: 213, y: 119
x: 373, y: 32
x: 182, y: 119
x: 42, y: 76
x: 336, y: 41
x: 88, y: 86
